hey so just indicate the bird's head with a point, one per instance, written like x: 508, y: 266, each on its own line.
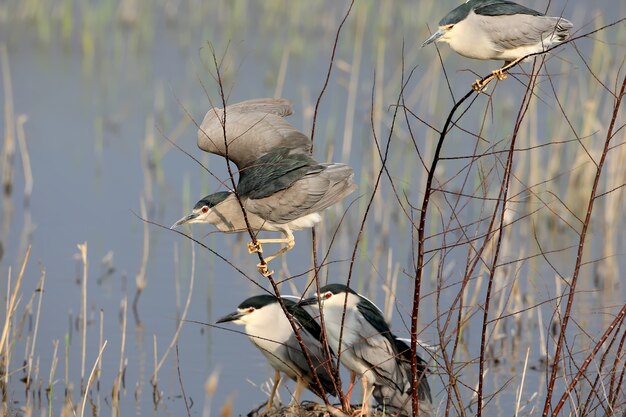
x: 202, y: 210
x: 331, y: 294
x: 444, y: 32
x: 250, y: 310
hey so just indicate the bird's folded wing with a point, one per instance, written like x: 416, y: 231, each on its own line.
x: 250, y: 130
x: 291, y: 203
x: 273, y: 172
x: 312, y: 193
x: 376, y: 350
x: 307, y: 322
x: 514, y: 31
x: 318, y: 359
x: 423, y: 389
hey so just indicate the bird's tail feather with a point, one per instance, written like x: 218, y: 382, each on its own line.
x: 341, y: 184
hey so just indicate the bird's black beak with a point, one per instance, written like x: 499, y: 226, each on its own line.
x: 184, y: 220
x: 235, y: 315
x: 433, y: 37
x: 308, y: 301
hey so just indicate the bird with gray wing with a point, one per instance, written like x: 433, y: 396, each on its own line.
x: 368, y: 348
x: 269, y: 330
x: 400, y: 401
x: 500, y: 30
x: 281, y: 187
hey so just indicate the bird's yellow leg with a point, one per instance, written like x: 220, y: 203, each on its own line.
x: 509, y: 65
x: 479, y: 85
x: 270, y: 402
x: 258, y: 248
x: 282, y: 240
x: 262, y: 268
x: 300, y: 385
x: 290, y: 244
x: 350, y: 388
x: 367, y: 392
x: 255, y: 247
x: 501, y: 72
x: 289, y: 240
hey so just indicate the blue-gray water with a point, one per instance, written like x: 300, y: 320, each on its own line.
x: 88, y: 118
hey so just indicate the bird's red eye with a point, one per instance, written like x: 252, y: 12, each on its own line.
x: 250, y: 309
x: 205, y: 209
x: 328, y: 295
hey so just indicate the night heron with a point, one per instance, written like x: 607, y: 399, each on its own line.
x: 281, y: 187
x: 400, y: 401
x: 500, y: 30
x: 368, y: 348
x: 269, y: 330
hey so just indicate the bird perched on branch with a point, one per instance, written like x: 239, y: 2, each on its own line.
x: 281, y: 187
x: 269, y: 330
x: 500, y: 30
x: 369, y: 349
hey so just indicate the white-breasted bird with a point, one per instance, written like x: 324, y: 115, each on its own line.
x: 500, y: 30
x: 269, y: 330
x: 368, y: 348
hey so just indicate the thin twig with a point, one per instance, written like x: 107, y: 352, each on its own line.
x: 579, y: 257
x: 180, y: 381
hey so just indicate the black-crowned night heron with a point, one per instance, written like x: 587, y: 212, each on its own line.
x: 368, y: 348
x: 280, y: 186
x: 400, y: 402
x: 269, y: 330
x: 500, y: 30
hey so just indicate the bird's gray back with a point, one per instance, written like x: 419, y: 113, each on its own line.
x: 252, y: 128
x: 315, y: 191
x: 501, y: 8
x: 485, y: 8
x: 510, y: 32
x: 273, y: 172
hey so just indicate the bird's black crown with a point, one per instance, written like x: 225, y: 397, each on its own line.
x: 336, y: 289
x: 212, y: 200
x: 258, y: 301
